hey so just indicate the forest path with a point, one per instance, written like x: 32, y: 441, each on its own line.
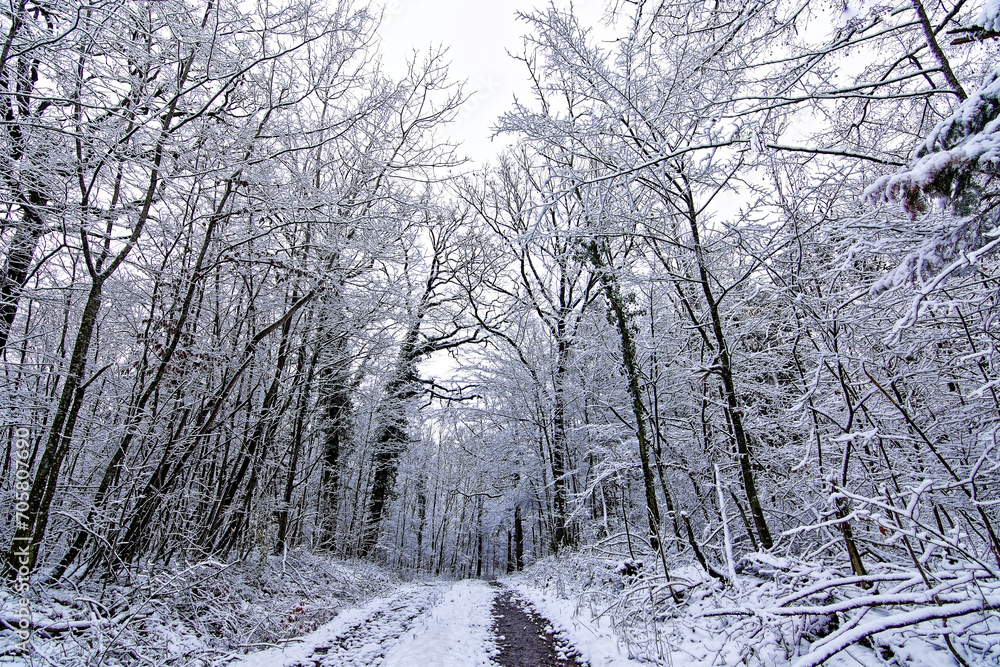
x: 464, y: 624
x: 524, y: 638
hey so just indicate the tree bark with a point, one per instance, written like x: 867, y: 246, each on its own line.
x: 391, y: 440
x: 612, y: 293
x: 518, y: 539
x: 29, y: 532
x: 22, y: 249
x: 335, y: 401
x: 562, y: 534
x: 295, y: 449
x: 725, y: 372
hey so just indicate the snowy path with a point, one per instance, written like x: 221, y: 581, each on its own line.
x: 463, y: 624
x: 421, y: 624
x: 523, y: 637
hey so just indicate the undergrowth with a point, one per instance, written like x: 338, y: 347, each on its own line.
x: 196, y: 614
x: 783, y: 611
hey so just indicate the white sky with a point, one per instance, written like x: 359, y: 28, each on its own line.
x: 476, y: 35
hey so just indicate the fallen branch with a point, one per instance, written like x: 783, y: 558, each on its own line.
x: 14, y: 623
x: 837, y: 642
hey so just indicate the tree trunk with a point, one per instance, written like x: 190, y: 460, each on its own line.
x: 136, y: 410
x: 30, y: 531
x: 172, y: 465
x: 518, y: 539
x: 335, y: 399
x: 225, y: 523
x: 391, y: 438
x: 21, y: 179
x: 295, y: 447
x: 629, y: 362
x: 22, y: 249
x: 422, y: 516
x: 561, y: 534
x: 724, y: 368
x: 390, y: 443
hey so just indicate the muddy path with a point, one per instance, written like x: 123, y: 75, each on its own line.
x: 526, y: 639
x: 431, y: 624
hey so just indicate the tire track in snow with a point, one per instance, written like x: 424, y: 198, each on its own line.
x: 364, y: 644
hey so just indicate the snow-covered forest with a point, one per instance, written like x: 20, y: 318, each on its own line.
x: 711, y: 347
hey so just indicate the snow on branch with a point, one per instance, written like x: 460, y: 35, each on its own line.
x: 841, y: 640
x: 57, y: 627
x: 957, y: 593
x: 989, y: 16
x: 966, y: 142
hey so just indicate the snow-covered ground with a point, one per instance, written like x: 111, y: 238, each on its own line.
x: 455, y: 632
x: 591, y: 635
x: 190, y: 615
x: 778, y: 612
x: 441, y: 624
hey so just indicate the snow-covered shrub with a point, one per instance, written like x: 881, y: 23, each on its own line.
x: 201, y: 614
x: 784, y: 610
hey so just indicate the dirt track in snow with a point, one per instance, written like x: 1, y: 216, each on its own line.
x: 525, y: 639
x: 433, y: 625
x: 364, y: 643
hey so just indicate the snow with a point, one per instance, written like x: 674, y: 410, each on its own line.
x: 824, y: 650
x: 441, y: 624
x: 592, y: 637
x: 969, y: 137
x: 599, y: 607
x: 989, y: 17
x: 455, y: 633
x: 445, y: 625
x: 610, y: 619
x: 325, y: 635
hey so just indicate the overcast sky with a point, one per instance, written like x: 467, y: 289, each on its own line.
x: 476, y: 35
